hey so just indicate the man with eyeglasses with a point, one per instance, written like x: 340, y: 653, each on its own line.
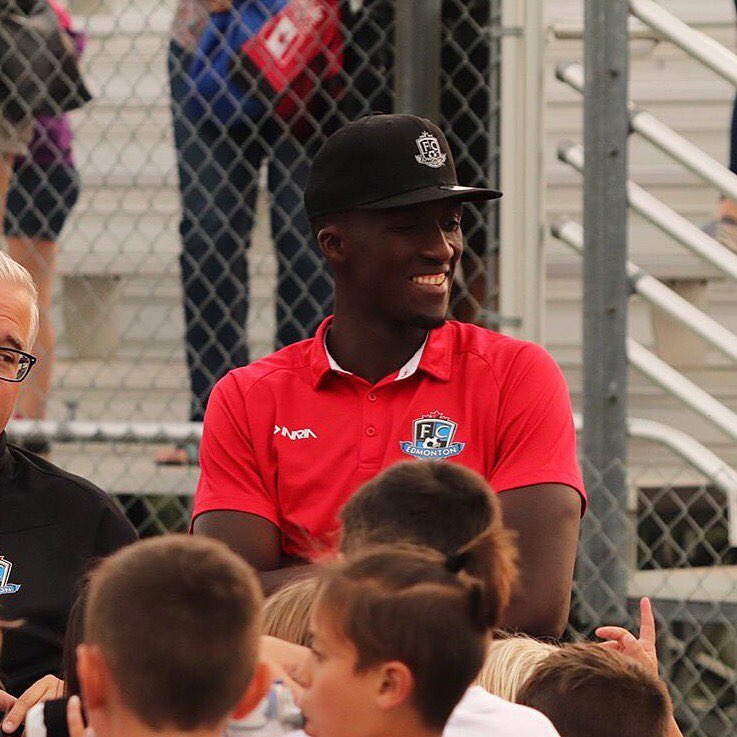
x: 53, y: 525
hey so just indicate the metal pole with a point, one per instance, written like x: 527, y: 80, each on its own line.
x: 417, y: 76
x: 605, y: 539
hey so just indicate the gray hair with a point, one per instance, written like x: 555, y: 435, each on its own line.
x: 13, y: 274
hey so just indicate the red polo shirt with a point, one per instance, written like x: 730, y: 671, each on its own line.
x: 290, y: 437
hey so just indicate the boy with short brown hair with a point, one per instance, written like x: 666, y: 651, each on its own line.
x: 171, y: 639
x: 588, y: 690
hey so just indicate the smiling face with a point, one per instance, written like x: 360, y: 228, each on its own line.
x: 338, y: 700
x: 15, y: 332
x: 396, y: 266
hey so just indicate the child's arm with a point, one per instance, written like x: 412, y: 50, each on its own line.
x: 643, y: 651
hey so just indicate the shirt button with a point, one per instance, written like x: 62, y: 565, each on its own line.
x: 371, y: 397
x: 371, y: 431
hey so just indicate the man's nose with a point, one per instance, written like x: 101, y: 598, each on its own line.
x: 438, y: 244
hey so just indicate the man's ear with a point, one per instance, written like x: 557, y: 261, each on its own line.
x: 330, y: 241
x: 94, y: 676
x: 257, y: 689
x: 395, y: 685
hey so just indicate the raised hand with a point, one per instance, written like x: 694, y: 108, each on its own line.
x: 642, y: 650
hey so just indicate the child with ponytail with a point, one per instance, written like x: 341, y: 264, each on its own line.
x: 398, y: 635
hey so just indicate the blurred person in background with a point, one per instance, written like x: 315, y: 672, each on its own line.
x: 219, y: 169
x: 13, y: 140
x: 466, y: 109
x: 43, y: 190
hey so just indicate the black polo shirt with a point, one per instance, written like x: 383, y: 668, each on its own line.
x: 53, y: 525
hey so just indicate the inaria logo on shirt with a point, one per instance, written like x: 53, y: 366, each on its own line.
x: 294, y: 434
x: 5, y: 587
x: 433, y: 435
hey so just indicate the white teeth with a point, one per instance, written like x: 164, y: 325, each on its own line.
x: 434, y: 279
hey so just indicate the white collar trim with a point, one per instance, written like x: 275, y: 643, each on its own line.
x: 405, y: 372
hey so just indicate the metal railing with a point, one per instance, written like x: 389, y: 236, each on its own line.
x: 663, y: 217
x: 724, y: 62
x: 696, y: 594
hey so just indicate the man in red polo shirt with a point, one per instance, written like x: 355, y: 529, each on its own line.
x: 288, y: 438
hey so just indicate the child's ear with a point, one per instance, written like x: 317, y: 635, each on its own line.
x: 94, y: 676
x: 396, y: 684
x: 257, y: 689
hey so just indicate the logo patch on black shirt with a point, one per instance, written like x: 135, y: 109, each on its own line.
x: 5, y: 587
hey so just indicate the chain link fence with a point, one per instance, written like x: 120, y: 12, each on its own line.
x: 183, y: 247
x: 680, y: 556
x: 171, y: 247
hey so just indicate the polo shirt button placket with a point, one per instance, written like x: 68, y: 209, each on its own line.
x: 371, y: 452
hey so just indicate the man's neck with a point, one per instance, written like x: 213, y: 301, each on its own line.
x: 369, y: 350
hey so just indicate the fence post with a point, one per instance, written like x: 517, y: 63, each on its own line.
x: 605, y: 546
x: 417, y: 78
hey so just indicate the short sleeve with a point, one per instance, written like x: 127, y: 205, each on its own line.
x: 230, y: 475
x: 536, y: 437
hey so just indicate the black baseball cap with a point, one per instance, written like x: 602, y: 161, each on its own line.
x: 382, y: 161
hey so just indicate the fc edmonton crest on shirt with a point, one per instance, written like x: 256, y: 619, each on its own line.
x: 432, y: 438
x: 5, y: 587
x: 430, y: 152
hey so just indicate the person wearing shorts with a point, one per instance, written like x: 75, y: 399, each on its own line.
x: 13, y: 140
x: 44, y: 188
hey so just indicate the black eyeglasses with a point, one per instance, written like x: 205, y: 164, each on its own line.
x: 14, y: 364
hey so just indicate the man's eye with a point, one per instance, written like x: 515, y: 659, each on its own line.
x: 8, y: 357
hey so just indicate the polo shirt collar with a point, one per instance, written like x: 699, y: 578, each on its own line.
x: 405, y: 372
x: 433, y: 357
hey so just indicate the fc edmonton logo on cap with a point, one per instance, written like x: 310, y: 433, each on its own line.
x: 430, y: 152
x: 5, y: 587
x: 433, y: 438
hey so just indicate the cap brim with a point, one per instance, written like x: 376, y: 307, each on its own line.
x: 435, y: 192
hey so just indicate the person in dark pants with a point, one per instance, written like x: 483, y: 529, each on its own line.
x: 466, y: 108
x: 218, y: 168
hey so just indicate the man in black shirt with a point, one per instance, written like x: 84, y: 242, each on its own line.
x: 53, y: 525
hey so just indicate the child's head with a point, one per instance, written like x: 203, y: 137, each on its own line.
x: 171, y: 628
x: 413, y: 501
x: 586, y: 689
x: 398, y: 635
x: 287, y: 611
x: 509, y: 663
x: 435, y: 504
